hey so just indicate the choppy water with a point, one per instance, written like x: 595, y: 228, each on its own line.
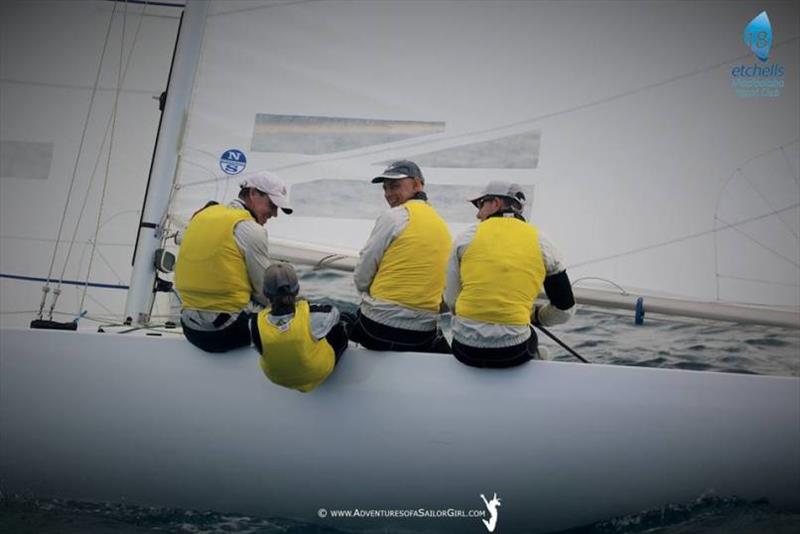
x: 599, y: 336
x: 706, y: 515
x: 607, y: 337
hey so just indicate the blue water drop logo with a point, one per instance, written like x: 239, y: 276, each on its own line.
x: 232, y: 161
x: 758, y: 36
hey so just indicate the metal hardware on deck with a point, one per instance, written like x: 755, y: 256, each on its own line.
x: 639, y: 317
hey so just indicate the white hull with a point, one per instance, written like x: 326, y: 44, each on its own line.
x: 109, y: 417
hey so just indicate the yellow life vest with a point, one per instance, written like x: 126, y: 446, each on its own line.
x: 412, y: 271
x: 290, y: 356
x: 502, y: 272
x: 211, y: 273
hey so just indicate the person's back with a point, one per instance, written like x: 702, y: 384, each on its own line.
x: 221, y: 262
x: 497, y: 269
x: 211, y: 274
x: 401, y: 269
x: 298, y: 343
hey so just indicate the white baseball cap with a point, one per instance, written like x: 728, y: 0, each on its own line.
x: 271, y: 185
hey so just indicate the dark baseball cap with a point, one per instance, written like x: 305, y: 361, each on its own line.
x: 280, y: 279
x: 400, y: 169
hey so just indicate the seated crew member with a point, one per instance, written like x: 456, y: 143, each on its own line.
x: 221, y: 263
x: 299, y: 343
x: 497, y: 268
x: 401, y: 269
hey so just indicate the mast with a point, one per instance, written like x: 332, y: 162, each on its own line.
x: 165, y: 160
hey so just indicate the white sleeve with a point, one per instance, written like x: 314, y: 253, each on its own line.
x: 548, y: 314
x: 253, y: 242
x: 453, y: 284
x: 553, y: 261
x: 386, y: 229
x: 323, y: 321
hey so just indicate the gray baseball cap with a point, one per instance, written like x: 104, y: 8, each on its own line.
x: 280, y: 279
x: 400, y: 169
x: 499, y: 188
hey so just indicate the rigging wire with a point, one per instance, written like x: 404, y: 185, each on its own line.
x: 46, y: 287
x: 109, y: 127
x: 108, y: 161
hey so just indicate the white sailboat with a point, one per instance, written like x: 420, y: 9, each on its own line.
x: 649, y: 180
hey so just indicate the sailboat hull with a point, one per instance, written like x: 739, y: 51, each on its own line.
x: 108, y: 417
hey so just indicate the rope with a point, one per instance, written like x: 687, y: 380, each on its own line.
x: 622, y: 290
x: 46, y: 287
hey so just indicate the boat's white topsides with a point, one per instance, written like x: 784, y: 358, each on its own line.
x: 156, y: 421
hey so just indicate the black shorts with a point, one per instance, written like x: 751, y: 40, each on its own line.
x: 499, y: 357
x: 376, y: 336
x: 235, y: 335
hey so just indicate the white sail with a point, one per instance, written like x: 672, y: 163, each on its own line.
x: 61, y: 63
x: 644, y: 165
x: 620, y: 121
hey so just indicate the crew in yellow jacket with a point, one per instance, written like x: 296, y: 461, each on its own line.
x: 497, y: 269
x: 221, y: 263
x: 401, y: 269
x: 299, y: 343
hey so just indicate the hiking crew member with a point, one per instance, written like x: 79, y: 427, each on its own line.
x: 299, y: 343
x: 497, y: 269
x: 221, y: 263
x: 401, y: 269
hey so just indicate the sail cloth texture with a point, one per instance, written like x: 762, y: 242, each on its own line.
x: 632, y: 167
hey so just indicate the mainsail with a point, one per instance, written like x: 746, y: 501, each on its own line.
x: 642, y: 163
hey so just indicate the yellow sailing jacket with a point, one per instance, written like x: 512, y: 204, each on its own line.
x: 502, y: 272
x: 412, y: 271
x: 290, y: 356
x: 211, y: 273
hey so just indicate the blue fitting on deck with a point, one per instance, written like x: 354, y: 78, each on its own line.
x: 639, y: 318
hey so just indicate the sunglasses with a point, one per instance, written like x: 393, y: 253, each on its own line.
x: 481, y: 201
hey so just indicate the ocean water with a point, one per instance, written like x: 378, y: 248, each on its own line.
x: 600, y: 336
x: 705, y: 515
x: 611, y: 337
